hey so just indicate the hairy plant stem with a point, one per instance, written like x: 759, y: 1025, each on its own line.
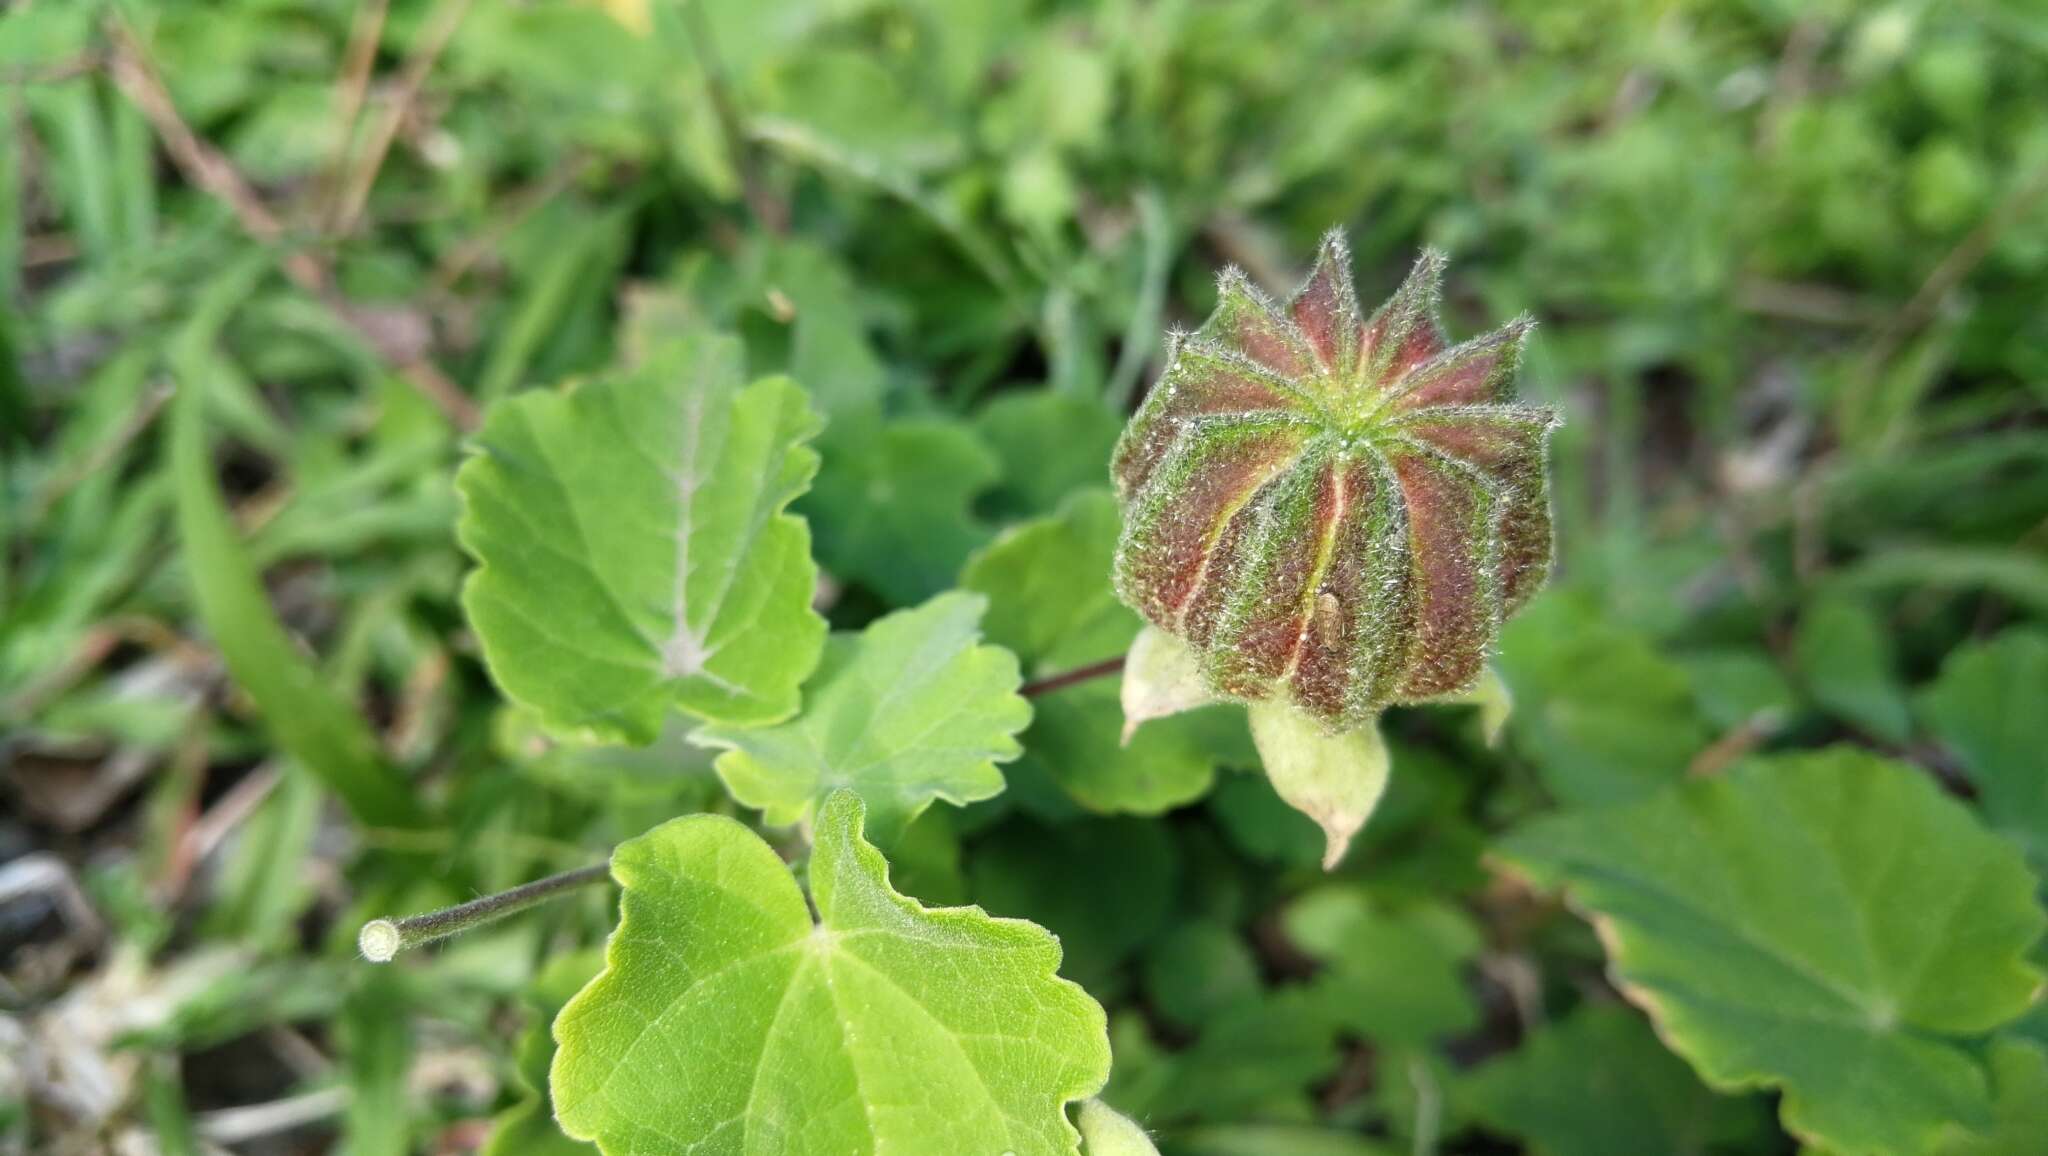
x: 1067, y: 678
x: 381, y: 939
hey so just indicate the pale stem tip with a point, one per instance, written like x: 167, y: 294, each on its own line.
x: 379, y: 940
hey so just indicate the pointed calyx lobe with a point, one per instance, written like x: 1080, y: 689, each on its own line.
x: 1337, y: 508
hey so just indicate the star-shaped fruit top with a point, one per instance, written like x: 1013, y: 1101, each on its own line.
x: 1335, y: 508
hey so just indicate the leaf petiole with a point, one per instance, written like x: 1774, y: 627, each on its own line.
x: 1067, y: 678
x: 381, y: 939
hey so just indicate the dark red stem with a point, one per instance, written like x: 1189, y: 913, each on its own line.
x: 1065, y: 679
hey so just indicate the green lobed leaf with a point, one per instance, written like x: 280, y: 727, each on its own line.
x: 1603, y: 715
x: 633, y: 550
x: 1049, y: 443
x: 1254, y: 1062
x: 909, y: 710
x: 1261, y: 826
x: 729, y: 1023
x: 1393, y: 975
x: 1845, y: 656
x: 2019, y: 1082
x: 892, y: 504
x: 1104, y: 886
x: 1986, y: 706
x: 1200, y: 970
x: 1599, y: 1084
x: 1047, y: 582
x: 1827, y: 923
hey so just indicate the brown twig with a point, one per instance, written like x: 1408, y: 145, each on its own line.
x: 439, y: 31
x: 1793, y: 79
x: 188, y: 769
x: 768, y: 210
x: 1068, y: 678
x: 62, y: 482
x: 365, y: 33
x: 1731, y: 747
x: 1794, y: 301
x: 210, y: 171
x: 1951, y: 270
x: 84, y: 64
x: 234, y: 806
x: 518, y: 207
x: 49, y: 249
x: 99, y: 641
x: 201, y: 163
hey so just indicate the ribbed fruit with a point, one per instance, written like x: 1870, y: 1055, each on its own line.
x: 1339, y: 509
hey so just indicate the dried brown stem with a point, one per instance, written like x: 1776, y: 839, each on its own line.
x: 58, y: 72
x: 1952, y: 269
x: 365, y: 33
x: 518, y: 207
x: 768, y: 210
x: 439, y: 31
x: 210, y: 171
x: 1068, y: 678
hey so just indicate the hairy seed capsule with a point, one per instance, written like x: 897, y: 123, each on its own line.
x: 1335, y: 508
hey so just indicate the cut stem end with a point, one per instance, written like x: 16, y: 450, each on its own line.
x: 382, y: 939
x: 379, y: 940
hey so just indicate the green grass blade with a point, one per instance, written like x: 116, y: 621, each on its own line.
x: 318, y: 729
x: 77, y: 138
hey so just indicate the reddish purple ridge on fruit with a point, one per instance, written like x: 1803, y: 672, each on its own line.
x: 1336, y: 508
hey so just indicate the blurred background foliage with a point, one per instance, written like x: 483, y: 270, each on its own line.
x: 262, y: 260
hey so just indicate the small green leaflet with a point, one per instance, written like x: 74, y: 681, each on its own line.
x: 528, y: 1128
x: 1845, y: 656
x: 1199, y: 970
x: 1603, y: 714
x: 1394, y: 976
x: 1047, y: 581
x: 1104, y: 886
x: 628, y: 531
x: 909, y: 710
x: 1987, y: 707
x: 1828, y: 923
x: 1599, y: 1084
x: 1254, y: 1061
x: 728, y: 1023
x: 1740, y: 688
x: 2019, y: 1082
x: 1050, y: 444
x: 893, y: 504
